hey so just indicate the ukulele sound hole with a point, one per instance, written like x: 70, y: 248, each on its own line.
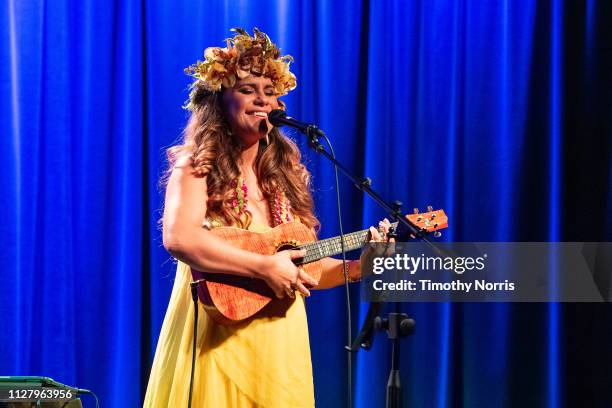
x: 285, y: 247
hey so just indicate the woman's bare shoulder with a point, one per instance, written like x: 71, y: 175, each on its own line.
x: 183, y: 174
x: 186, y: 194
x: 183, y: 161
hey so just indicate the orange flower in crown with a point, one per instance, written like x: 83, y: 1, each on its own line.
x: 243, y: 55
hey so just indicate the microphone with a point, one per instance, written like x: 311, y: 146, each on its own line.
x: 279, y: 118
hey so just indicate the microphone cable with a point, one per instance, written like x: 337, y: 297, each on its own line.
x: 49, y: 382
x: 278, y: 117
x: 345, y: 272
x: 82, y: 391
x: 194, y: 296
x: 78, y: 391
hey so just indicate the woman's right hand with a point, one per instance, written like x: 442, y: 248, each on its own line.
x: 283, y: 276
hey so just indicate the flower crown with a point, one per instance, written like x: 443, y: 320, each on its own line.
x: 243, y: 55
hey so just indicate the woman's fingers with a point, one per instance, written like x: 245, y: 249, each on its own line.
x: 385, y: 225
x: 290, y: 292
x: 304, y: 277
x: 300, y: 286
x: 297, y: 253
x: 374, y: 235
x: 284, y: 277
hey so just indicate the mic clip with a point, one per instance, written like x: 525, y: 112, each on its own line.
x: 313, y: 134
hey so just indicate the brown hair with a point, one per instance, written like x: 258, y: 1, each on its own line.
x: 214, y: 153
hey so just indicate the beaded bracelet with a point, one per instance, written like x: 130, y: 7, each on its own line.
x: 347, y: 271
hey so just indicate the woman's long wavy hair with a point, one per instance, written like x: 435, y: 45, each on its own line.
x: 214, y: 154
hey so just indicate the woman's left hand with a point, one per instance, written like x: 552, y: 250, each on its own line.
x: 377, y: 236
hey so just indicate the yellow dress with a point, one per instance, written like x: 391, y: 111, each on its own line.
x: 261, y: 362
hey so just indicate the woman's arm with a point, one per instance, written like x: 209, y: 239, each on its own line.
x: 333, y: 273
x: 187, y: 241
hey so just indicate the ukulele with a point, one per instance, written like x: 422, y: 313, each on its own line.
x: 230, y: 299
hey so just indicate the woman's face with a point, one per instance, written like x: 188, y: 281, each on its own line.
x: 247, y: 105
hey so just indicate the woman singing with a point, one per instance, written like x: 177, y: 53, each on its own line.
x: 234, y: 168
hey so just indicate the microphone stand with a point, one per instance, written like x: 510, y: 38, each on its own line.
x: 397, y: 325
x: 364, y: 184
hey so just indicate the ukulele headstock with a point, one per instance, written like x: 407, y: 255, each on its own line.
x: 430, y: 221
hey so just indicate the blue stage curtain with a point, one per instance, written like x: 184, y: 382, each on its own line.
x: 498, y: 112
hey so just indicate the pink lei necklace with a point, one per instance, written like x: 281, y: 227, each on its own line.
x: 280, y: 206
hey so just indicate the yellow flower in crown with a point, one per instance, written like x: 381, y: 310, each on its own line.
x: 243, y: 55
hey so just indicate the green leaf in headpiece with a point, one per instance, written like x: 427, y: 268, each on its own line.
x: 240, y: 31
x: 269, y: 45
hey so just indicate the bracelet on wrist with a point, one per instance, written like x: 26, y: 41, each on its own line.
x: 349, y: 265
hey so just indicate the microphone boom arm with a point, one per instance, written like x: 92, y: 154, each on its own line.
x: 279, y: 118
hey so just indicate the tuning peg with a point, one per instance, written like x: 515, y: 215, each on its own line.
x: 415, y: 210
x: 437, y: 234
x: 429, y: 208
